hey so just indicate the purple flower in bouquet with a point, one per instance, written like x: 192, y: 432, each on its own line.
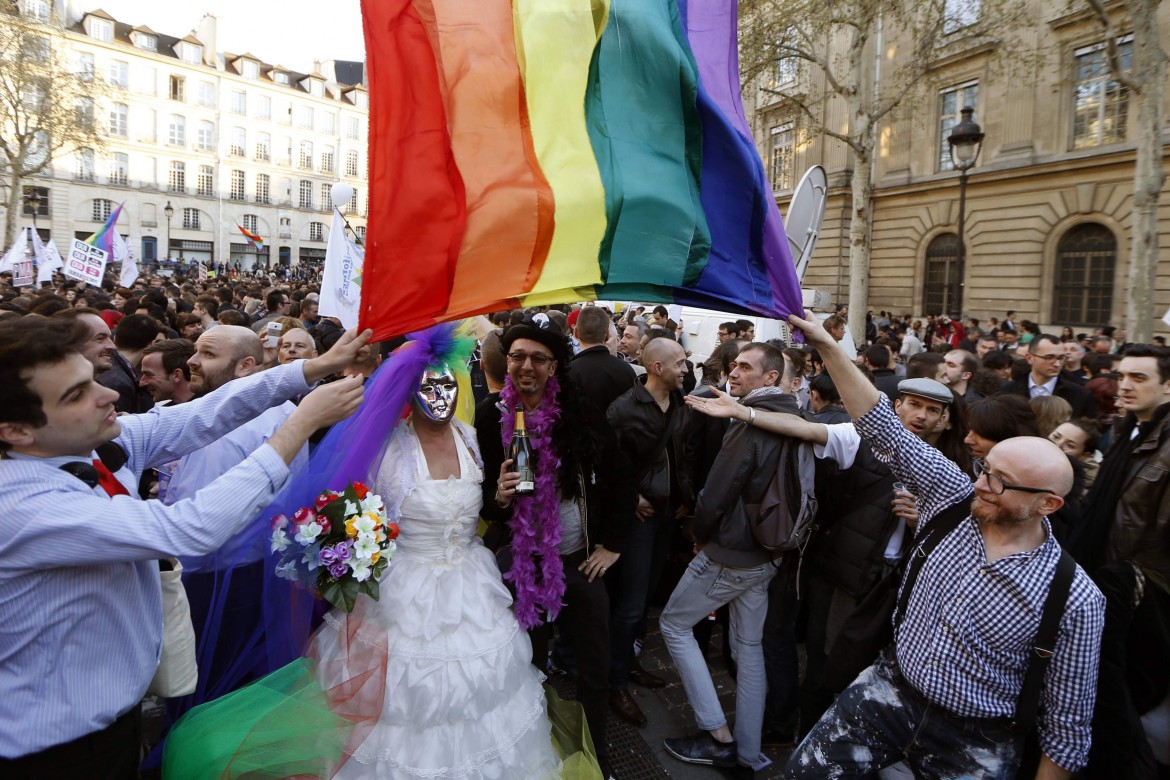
x: 343, y: 551
x: 328, y: 556
x: 338, y: 570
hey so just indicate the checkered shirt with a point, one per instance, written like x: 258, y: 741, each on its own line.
x: 967, y: 634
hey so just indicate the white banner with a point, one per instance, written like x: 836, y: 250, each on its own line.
x: 16, y: 253
x: 125, y: 255
x: 85, y: 262
x: 50, y: 264
x: 341, y: 278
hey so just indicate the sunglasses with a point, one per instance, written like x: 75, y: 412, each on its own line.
x: 537, y: 359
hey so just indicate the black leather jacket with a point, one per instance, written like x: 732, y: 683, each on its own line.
x: 654, y: 445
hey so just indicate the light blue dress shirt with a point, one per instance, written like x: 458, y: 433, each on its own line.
x: 80, y: 605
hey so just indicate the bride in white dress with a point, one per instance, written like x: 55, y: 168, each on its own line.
x: 462, y: 699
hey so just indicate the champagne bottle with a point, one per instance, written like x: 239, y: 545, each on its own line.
x: 522, y: 458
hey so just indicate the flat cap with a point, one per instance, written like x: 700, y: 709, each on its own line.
x: 927, y: 388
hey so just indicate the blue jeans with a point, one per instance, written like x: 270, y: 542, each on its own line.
x: 639, y: 569
x: 881, y: 719
x: 705, y: 587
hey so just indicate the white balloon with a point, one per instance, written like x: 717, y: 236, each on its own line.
x: 341, y: 194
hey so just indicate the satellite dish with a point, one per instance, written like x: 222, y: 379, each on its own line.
x: 805, y: 214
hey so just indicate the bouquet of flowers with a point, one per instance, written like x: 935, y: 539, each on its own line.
x: 340, y: 545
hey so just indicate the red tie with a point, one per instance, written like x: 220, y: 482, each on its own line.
x: 108, y: 481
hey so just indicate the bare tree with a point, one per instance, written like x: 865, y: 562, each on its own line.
x: 46, y: 109
x: 836, y: 41
x: 1145, y: 79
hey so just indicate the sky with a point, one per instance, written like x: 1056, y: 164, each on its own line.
x: 291, y: 33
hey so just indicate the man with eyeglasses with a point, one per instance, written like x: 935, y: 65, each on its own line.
x: 944, y: 695
x: 1046, y: 357
x: 592, y: 501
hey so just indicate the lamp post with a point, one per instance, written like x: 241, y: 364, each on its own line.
x: 966, y: 140
x: 33, y: 201
x: 168, y: 212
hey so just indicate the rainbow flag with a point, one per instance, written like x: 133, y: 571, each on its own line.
x: 104, y: 238
x: 527, y: 152
x: 253, y: 239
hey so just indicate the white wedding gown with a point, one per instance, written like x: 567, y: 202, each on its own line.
x: 462, y: 699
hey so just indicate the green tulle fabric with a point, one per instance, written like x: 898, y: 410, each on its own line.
x: 281, y: 726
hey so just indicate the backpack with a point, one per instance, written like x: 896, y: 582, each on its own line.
x: 786, y: 516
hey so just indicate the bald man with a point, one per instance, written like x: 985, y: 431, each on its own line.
x: 943, y: 696
x: 222, y: 355
x: 649, y: 420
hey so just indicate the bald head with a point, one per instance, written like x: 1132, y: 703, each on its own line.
x: 666, y: 365
x: 661, y: 350
x: 241, y: 342
x: 1033, y: 462
x: 224, y: 353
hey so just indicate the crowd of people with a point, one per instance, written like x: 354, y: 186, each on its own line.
x: 990, y: 451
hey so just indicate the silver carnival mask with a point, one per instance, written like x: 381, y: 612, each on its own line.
x: 437, y: 395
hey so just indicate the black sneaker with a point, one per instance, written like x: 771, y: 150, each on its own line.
x: 702, y: 748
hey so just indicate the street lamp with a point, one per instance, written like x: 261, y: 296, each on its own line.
x: 168, y: 212
x: 966, y: 140
x: 33, y: 200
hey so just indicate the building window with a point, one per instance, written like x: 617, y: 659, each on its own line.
x: 353, y: 128
x: 306, y: 155
x: 262, y: 188
x: 361, y: 233
x: 205, y: 140
x: 120, y: 74
x: 119, y: 123
x: 943, y: 289
x: 120, y: 168
x: 264, y: 107
x: 250, y: 223
x: 781, y: 155
x: 84, y: 111
x: 316, y: 231
x: 239, y: 145
x: 85, y: 66
x: 85, y: 165
x: 101, y: 209
x: 326, y: 197
x: 178, y: 180
x: 280, y: 78
x: 148, y: 122
x: 1100, y: 111
x: 206, y: 183
x: 101, y: 29
x: 178, y: 89
x: 37, y: 10
x: 239, y: 102
x: 361, y: 99
x: 351, y: 163
x: 306, y: 195
x: 206, y: 96
x: 148, y: 42
x: 328, y: 123
x: 251, y: 70
x: 177, y: 135
x: 237, y: 191
x: 316, y: 88
x: 191, y: 53
x: 958, y: 14
x: 304, y: 116
x: 191, y: 219
x: 264, y: 147
x: 353, y: 202
x: 951, y: 106
x: 327, y: 160
x: 1086, y: 263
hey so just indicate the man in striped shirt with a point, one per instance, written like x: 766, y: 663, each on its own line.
x: 944, y: 695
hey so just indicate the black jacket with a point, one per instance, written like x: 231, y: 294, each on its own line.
x: 887, y: 381
x: 123, y: 379
x: 739, y: 477
x: 609, y: 495
x: 1080, y: 399
x: 704, y: 440
x: 654, y: 445
x: 599, y: 377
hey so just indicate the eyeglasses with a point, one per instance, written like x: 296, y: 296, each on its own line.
x: 1056, y: 358
x: 996, y: 483
x: 537, y: 359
